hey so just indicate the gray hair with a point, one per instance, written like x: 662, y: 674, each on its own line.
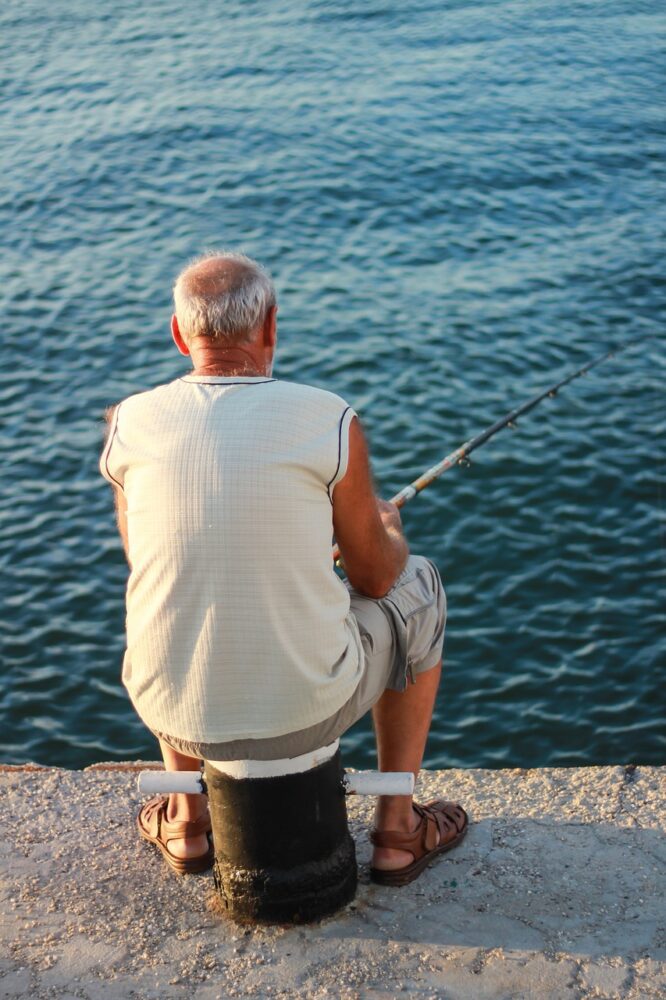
x: 224, y: 296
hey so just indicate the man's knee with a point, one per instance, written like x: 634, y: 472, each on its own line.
x: 421, y: 600
x: 428, y: 570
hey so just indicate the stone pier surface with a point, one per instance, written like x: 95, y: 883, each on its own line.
x: 557, y: 892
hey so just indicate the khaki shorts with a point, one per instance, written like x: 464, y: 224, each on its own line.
x: 402, y: 635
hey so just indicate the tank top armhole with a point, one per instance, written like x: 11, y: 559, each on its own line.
x: 106, y: 453
x: 343, y: 449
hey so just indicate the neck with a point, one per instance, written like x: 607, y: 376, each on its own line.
x: 240, y: 370
x: 230, y: 361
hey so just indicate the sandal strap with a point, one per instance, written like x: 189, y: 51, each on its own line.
x: 178, y: 828
x: 155, y: 812
x: 440, y: 822
x: 444, y: 815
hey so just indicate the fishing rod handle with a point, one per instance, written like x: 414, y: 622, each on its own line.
x: 404, y: 496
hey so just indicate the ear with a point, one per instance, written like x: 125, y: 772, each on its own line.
x: 269, y: 333
x: 178, y: 337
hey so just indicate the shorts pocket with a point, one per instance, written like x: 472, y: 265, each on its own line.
x: 412, y: 607
x: 412, y: 596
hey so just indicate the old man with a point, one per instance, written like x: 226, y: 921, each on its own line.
x: 242, y: 640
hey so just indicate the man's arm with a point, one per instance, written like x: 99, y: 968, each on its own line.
x: 368, y: 530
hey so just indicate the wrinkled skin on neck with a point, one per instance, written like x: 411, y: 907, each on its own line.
x: 219, y: 357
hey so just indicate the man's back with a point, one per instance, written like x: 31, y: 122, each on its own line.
x: 235, y: 628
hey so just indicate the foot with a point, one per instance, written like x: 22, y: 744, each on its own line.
x: 387, y: 858
x: 401, y: 855
x: 184, y: 843
x: 188, y: 847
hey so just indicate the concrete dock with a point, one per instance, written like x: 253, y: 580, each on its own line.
x: 557, y: 892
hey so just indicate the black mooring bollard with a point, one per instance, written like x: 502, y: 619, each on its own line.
x: 283, y: 851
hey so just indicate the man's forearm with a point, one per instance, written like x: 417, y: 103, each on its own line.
x: 368, y: 530
x: 397, y: 549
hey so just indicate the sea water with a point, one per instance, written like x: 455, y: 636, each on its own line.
x: 459, y: 202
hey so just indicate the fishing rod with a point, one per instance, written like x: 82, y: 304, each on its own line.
x: 460, y: 455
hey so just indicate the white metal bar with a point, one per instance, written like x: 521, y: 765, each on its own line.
x: 170, y: 782
x: 355, y: 782
x: 379, y: 783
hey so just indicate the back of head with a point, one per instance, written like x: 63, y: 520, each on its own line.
x: 222, y: 296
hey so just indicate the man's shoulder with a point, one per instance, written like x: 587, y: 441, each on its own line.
x: 297, y: 395
x: 311, y: 395
x: 144, y: 397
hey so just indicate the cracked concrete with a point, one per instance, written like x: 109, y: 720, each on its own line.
x: 557, y: 892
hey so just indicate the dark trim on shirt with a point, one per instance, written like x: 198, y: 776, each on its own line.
x: 109, y: 445
x: 196, y: 380
x: 337, y: 468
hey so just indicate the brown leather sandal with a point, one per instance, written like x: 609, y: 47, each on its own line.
x: 446, y: 822
x: 153, y: 826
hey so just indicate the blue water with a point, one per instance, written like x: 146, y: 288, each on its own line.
x: 459, y: 202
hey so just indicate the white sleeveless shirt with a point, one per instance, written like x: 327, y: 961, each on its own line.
x: 237, y: 625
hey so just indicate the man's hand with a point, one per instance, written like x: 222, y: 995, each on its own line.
x: 390, y: 515
x: 368, y: 530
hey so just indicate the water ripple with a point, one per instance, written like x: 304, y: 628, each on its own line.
x: 457, y: 210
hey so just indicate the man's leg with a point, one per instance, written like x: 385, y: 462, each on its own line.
x: 185, y: 807
x: 402, y: 722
